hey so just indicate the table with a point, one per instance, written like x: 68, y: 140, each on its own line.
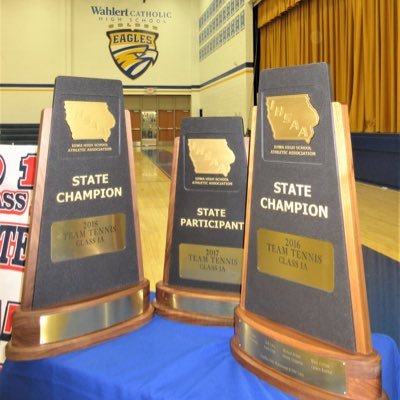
x: 161, y: 360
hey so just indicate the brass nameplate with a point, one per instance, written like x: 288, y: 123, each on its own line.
x: 210, y: 263
x: 84, y: 237
x: 69, y: 324
x: 323, y: 372
x: 299, y: 259
x: 211, y: 156
x: 214, y: 308
x: 292, y: 117
x: 89, y: 120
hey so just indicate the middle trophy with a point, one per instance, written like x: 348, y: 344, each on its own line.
x: 204, y: 246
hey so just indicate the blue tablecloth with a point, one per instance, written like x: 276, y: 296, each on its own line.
x: 163, y: 360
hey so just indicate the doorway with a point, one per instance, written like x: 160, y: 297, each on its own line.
x: 156, y: 119
x: 149, y: 128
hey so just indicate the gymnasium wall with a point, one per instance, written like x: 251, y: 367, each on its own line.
x: 226, y: 67
x: 33, y: 51
x: 42, y: 39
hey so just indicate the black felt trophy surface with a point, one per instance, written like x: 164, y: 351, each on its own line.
x: 302, y: 323
x: 83, y: 280
x: 204, y: 250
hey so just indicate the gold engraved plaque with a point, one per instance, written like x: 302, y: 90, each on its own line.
x: 299, y: 259
x: 292, y: 117
x: 84, y: 237
x: 89, y: 120
x: 73, y: 323
x: 326, y: 373
x: 210, y: 263
x: 202, y: 306
x: 211, y: 156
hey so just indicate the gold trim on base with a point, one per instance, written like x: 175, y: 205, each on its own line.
x: 199, y: 307
x: 51, y: 331
x: 278, y: 355
x: 70, y: 324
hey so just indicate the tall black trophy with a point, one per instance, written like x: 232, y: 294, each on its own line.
x: 302, y: 323
x: 83, y: 280
x: 204, y: 249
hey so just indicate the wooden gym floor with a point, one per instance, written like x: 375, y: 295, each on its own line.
x: 379, y: 210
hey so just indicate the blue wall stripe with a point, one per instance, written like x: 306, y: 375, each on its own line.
x: 227, y: 73
x: 179, y: 87
x: 26, y: 85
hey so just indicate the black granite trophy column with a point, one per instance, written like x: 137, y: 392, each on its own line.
x: 83, y: 280
x: 302, y: 323
x: 204, y: 250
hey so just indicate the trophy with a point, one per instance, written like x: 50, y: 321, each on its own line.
x: 302, y: 323
x: 83, y: 280
x: 204, y: 249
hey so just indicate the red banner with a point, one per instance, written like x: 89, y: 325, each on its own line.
x: 17, y: 171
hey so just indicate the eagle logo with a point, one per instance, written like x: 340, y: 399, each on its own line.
x: 133, y: 51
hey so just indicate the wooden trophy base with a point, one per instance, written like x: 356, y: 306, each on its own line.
x: 302, y: 366
x: 51, y: 331
x: 195, y: 306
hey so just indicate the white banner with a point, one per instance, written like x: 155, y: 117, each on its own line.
x: 17, y: 171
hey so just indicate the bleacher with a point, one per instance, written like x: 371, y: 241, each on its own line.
x: 19, y: 133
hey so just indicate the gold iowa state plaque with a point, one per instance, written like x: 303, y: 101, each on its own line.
x: 89, y: 120
x: 211, y: 156
x: 292, y: 117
